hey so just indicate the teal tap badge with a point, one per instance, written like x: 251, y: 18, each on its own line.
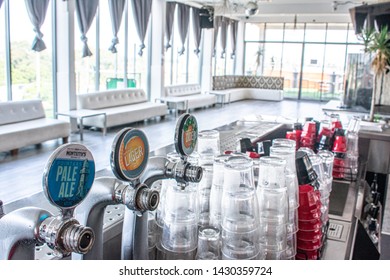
x: 69, y: 175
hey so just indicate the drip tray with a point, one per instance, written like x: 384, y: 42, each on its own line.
x: 338, y: 197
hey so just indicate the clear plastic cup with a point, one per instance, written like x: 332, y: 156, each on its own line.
x: 208, y: 145
x: 216, y: 191
x: 180, y: 229
x: 209, y: 244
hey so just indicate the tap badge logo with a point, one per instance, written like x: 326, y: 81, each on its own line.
x: 131, y: 153
x: 69, y: 175
x: 189, y: 135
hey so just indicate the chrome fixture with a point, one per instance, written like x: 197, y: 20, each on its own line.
x: 160, y: 168
x: 67, y: 179
x: 129, y: 156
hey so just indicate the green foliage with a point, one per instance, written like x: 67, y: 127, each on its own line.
x: 366, y: 36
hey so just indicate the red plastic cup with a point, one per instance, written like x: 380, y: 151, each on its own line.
x: 309, y: 245
x: 310, y: 127
x: 336, y: 124
x: 307, y: 255
x: 312, y: 225
x: 309, y: 235
x: 308, y: 199
x: 324, y: 131
x: 340, y: 145
x: 309, y: 215
x: 292, y: 135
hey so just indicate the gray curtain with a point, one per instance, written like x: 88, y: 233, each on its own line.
x: 170, y: 15
x: 233, y: 37
x: 1, y: 3
x: 36, y: 10
x: 196, y: 28
x: 217, y: 23
x: 116, y: 11
x: 223, y: 35
x: 141, y: 13
x: 183, y: 16
x: 85, y: 11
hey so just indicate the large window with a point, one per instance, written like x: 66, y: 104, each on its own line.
x: 311, y: 57
x: 223, y: 63
x: 31, y: 71
x: 104, y: 69
x: 3, y: 83
x: 182, y: 68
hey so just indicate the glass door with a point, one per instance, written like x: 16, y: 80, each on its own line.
x: 291, y: 69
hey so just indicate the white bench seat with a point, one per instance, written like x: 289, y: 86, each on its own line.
x: 121, y: 106
x: 23, y: 123
x: 187, y: 96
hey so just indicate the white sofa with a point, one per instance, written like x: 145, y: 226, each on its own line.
x: 121, y: 106
x: 187, y: 96
x: 234, y: 88
x: 24, y: 123
x: 236, y: 94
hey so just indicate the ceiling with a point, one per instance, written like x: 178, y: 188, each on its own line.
x: 289, y: 10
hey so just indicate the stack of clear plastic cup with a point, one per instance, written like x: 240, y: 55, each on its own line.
x: 288, y: 153
x: 323, y: 189
x: 209, y: 244
x: 204, y: 190
x: 327, y: 162
x: 239, y: 211
x: 180, y: 233
x: 208, y: 147
x: 273, y: 207
x: 352, y: 154
x: 216, y: 191
x: 162, y: 185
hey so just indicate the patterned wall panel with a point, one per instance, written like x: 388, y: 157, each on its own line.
x: 265, y: 82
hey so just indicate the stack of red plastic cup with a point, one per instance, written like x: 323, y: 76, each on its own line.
x: 339, y: 150
x: 336, y: 123
x: 309, y: 235
x: 309, y: 135
x: 324, y: 138
x: 298, y: 132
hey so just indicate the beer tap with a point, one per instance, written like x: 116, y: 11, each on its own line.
x: 68, y: 177
x: 161, y: 168
x: 129, y: 157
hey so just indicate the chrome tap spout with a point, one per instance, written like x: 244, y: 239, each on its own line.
x: 160, y: 168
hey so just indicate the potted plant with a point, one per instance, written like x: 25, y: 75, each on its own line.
x: 378, y: 44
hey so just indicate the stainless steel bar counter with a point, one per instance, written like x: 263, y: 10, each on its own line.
x: 345, y: 200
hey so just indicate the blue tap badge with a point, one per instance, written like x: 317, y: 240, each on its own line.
x: 130, y: 154
x: 69, y: 175
x: 186, y: 135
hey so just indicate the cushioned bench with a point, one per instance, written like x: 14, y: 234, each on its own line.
x: 234, y: 88
x: 187, y: 96
x: 24, y: 123
x: 121, y: 106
